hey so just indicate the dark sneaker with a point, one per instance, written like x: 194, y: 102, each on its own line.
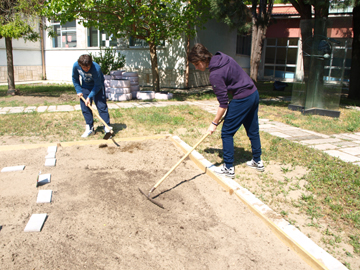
x: 256, y: 165
x: 222, y: 170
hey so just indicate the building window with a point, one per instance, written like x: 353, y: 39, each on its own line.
x: 338, y: 65
x: 243, y: 44
x: 280, y: 58
x: 65, y: 35
x: 96, y: 37
x: 138, y: 43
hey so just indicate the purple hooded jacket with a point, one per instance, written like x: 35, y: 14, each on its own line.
x: 227, y: 76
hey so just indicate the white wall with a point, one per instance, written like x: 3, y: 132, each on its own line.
x: 24, y: 53
x: 218, y: 37
x: 59, y: 61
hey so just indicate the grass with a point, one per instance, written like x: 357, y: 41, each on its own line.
x: 329, y: 189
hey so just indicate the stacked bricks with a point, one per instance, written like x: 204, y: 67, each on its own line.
x: 133, y: 77
x: 117, y: 88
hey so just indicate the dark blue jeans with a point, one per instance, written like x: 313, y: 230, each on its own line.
x: 241, y: 112
x: 100, y: 102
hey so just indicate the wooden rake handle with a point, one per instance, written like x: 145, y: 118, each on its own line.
x: 181, y: 160
x: 97, y: 114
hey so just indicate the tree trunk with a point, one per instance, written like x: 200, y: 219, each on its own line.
x: 257, y: 41
x: 187, y: 69
x: 10, y: 67
x: 42, y: 40
x: 354, y: 89
x: 154, y: 66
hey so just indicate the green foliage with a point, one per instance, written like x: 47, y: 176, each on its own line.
x: 19, y: 19
x: 234, y: 13
x: 160, y: 20
x: 109, y: 60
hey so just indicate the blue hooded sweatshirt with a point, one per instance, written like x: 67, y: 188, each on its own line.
x: 227, y: 76
x: 92, y: 80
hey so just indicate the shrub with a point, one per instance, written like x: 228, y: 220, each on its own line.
x: 109, y: 59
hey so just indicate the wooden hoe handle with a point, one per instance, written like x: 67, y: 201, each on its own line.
x: 97, y: 114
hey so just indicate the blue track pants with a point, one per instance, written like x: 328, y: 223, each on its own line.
x: 241, y: 112
x: 100, y: 102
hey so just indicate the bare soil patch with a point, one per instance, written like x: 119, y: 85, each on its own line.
x: 98, y: 219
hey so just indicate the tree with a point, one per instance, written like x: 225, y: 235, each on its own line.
x: 237, y: 15
x: 261, y: 14
x: 151, y: 20
x: 17, y: 20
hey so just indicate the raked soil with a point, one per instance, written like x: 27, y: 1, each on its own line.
x: 98, y: 219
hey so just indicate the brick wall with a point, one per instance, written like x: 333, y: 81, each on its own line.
x: 22, y: 73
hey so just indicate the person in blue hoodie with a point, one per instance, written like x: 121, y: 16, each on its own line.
x: 226, y: 76
x: 91, y: 88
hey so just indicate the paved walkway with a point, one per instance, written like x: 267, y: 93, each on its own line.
x: 345, y: 146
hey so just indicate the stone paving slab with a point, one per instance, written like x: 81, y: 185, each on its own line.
x: 113, y: 106
x: 326, y: 146
x: 5, y: 109
x: 30, y: 109
x: 306, y: 138
x: 352, y: 151
x: 343, y: 156
x: 64, y: 108
x: 279, y: 134
x: 320, y: 141
x: 346, y: 144
x: 42, y: 108
x: 16, y: 110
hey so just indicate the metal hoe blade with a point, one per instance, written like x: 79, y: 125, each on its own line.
x: 151, y: 200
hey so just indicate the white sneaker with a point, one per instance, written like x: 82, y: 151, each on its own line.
x: 88, y: 131
x: 107, y: 130
x: 223, y: 170
x: 256, y: 165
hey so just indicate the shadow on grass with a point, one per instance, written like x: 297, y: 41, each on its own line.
x: 240, y: 155
x: 40, y: 90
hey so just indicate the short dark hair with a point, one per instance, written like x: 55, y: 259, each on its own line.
x: 85, y: 60
x: 199, y: 53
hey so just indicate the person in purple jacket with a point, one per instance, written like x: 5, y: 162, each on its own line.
x: 226, y: 76
x: 91, y: 88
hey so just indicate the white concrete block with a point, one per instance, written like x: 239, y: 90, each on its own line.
x: 50, y: 155
x: 13, y: 168
x: 52, y: 149
x: 35, y: 223
x: 44, y: 179
x: 44, y: 196
x: 50, y: 162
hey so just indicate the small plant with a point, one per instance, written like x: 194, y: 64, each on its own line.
x: 109, y: 60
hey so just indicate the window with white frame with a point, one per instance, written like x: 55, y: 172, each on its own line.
x: 65, y: 34
x: 96, y: 37
x: 281, y: 57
